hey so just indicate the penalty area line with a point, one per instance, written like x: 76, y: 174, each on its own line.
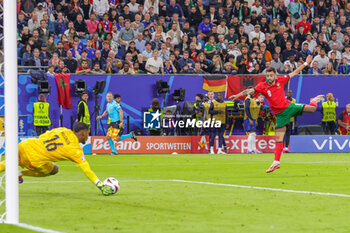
x: 34, y: 228
x: 264, y: 188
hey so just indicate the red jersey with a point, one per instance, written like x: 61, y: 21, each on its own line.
x: 307, y: 26
x: 275, y: 94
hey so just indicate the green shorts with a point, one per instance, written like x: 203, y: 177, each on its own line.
x: 293, y: 110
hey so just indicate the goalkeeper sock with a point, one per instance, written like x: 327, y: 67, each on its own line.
x: 125, y: 136
x: 2, y: 166
x: 278, y: 151
x: 111, y: 144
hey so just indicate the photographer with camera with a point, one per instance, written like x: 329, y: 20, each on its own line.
x: 154, y: 108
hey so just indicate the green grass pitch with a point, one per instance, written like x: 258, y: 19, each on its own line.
x: 150, y: 201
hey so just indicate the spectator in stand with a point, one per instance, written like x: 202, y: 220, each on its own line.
x: 140, y: 42
x: 204, y: 28
x: 186, y: 60
x: 97, y: 69
x: 60, y: 25
x: 329, y: 69
x: 257, y: 34
x: 80, y: 26
x: 27, y: 55
x: 125, y: 36
x: 315, y: 70
x: 36, y: 61
x: 71, y: 62
x: 210, y: 47
x: 44, y: 55
x: 169, y: 67
x: 344, y: 67
x: 305, y: 23
x: 288, y: 51
x: 100, y: 8
x: 126, y: 70
x: 321, y: 59
x: 276, y: 63
x: 62, y: 68
x: 175, y: 34
x: 154, y: 65
x: 84, y: 68
x: 84, y: 57
x: 133, y: 6
x: 147, y: 53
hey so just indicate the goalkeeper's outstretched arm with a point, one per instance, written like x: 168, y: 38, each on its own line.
x: 106, y: 190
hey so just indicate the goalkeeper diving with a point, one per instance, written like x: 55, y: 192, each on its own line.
x: 38, y: 155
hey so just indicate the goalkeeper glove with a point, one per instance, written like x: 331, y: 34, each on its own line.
x: 105, y: 189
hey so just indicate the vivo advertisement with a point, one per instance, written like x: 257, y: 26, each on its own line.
x: 320, y: 144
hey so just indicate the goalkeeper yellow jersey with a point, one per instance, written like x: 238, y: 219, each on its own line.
x: 55, y: 145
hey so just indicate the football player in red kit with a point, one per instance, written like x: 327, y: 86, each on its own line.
x: 283, y: 109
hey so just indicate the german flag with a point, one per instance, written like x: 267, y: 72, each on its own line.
x: 215, y: 83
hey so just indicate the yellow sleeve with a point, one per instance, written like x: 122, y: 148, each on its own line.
x: 79, y: 158
x: 88, y: 172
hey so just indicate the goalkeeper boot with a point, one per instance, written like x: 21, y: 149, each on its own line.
x: 20, y: 178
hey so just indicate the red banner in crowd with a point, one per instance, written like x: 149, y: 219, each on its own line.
x: 236, y: 84
x: 144, y: 145
x: 64, y: 96
x: 235, y: 144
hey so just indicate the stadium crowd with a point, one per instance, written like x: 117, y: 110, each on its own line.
x: 183, y: 36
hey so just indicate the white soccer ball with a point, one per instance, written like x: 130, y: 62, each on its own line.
x: 113, y: 183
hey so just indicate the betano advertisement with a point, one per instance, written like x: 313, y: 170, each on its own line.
x: 144, y: 145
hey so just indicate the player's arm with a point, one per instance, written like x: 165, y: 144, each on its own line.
x: 84, y: 165
x: 300, y: 68
x: 103, y: 115
x: 249, y: 91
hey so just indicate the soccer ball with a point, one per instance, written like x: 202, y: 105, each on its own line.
x: 113, y: 183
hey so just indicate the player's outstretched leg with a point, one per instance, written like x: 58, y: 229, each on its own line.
x: 280, y: 132
x: 125, y: 136
x: 47, y: 169
x: 312, y: 107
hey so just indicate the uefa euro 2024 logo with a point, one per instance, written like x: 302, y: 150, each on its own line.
x: 151, y: 120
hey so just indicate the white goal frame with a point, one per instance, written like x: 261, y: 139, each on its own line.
x: 11, y: 111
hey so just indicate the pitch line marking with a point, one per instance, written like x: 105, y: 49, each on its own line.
x: 34, y: 228
x: 86, y: 181
x: 263, y: 188
x: 207, y: 183
x: 188, y: 164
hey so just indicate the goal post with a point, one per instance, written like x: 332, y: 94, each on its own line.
x: 11, y: 111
